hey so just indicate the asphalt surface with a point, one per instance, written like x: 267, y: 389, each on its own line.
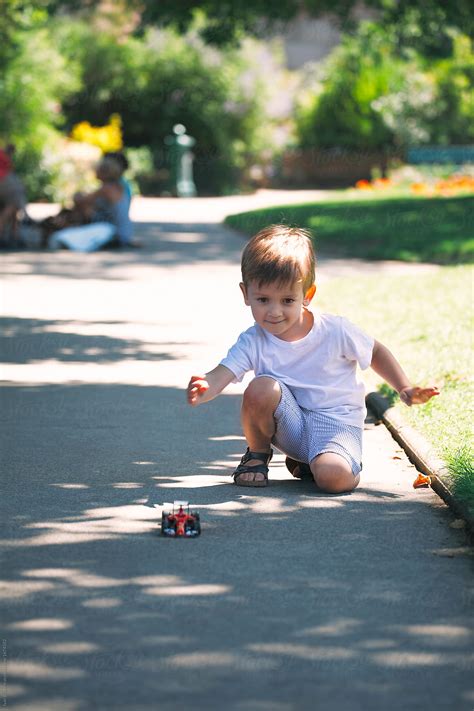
x: 291, y: 599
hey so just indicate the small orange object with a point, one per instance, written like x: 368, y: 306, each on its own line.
x: 421, y: 481
x: 363, y: 185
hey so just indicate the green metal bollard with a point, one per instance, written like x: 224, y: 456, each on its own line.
x: 181, y: 162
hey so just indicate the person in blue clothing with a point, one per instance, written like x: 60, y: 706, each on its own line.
x: 101, y: 218
x: 306, y: 397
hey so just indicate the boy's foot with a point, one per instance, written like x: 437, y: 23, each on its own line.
x: 300, y: 470
x: 253, y: 469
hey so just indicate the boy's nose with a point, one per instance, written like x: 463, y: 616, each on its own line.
x: 274, y: 310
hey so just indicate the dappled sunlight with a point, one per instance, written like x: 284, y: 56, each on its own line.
x: 227, y: 438
x: 163, y: 639
x: 36, y: 670
x: 438, y: 633
x: 158, y: 585
x: 378, y: 643
x: 102, y: 603
x: 187, y: 590
x: 70, y: 648
x: 189, y: 481
x: 337, y: 628
x: 39, y: 625
x: 70, y: 486
x: 127, y: 485
x: 414, y: 659
x: 303, y: 651
x: 77, y: 578
x: 320, y: 503
x: 93, y: 525
x: 156, y: 580
x: 268, y: 504
x: 17, y: 590
x: 205, y: 659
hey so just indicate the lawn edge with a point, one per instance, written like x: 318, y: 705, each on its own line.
x: 421, y: 453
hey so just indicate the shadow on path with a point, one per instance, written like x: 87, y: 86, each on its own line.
x: 26, y: 340
x: 164, y: 245
x: 279, y: 596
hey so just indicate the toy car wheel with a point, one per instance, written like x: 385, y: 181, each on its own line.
x: 167, y: 528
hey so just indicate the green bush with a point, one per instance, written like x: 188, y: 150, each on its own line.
x: 375, y: 95
x: 454, y: 119
x: 35, y: 80
x: 435, y: 104
x: 357, y: 73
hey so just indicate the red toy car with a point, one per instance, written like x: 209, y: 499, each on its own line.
x: 180, y: 522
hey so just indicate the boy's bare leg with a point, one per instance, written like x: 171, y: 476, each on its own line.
x: 259, y: 403
x: 333, y: 474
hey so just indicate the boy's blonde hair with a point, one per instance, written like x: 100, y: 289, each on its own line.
x: 280, y: 254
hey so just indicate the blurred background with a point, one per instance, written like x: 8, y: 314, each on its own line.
x: 299, y: 93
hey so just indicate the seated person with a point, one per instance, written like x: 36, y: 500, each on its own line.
x: 98, y: 219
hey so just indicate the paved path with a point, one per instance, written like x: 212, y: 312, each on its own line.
x: 289, y: 600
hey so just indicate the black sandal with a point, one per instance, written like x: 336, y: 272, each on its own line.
x: 244, y: 468
x: 304, y: 473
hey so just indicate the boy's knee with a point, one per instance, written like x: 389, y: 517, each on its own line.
x: 333, y: 474
x: 261, y: 393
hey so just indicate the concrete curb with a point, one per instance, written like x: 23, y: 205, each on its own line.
x: 421, y: 454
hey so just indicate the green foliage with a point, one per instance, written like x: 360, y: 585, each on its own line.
x: 358, y: 72
x: 454, y: 101
x: 423, y: 25
x: 460, y: 463
x: 34, y: 83
x: 375, y: 96
x: 435, y: 103
x: 426, y: 27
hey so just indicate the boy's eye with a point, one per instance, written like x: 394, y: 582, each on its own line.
x: 289, y: 301
x: 262, y: 299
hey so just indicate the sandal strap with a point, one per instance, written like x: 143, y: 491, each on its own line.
x: 262, y: 456
x: 262, y: 468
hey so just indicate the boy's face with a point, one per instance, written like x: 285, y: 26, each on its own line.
x: 279, y: 309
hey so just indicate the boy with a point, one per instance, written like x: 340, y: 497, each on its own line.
x: 306, y: 397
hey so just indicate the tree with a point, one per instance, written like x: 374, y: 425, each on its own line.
x: 425, y: 25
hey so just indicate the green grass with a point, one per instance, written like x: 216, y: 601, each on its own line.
x: 427, y: 321
x: 391, y: 227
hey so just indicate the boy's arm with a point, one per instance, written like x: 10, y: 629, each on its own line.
x: 386, y: 365
x: 202, y: 388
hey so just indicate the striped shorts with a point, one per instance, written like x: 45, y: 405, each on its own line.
x: 303, y: 434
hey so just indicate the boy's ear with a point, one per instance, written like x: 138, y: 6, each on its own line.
x: 243, y: 289
x: 309, y: 294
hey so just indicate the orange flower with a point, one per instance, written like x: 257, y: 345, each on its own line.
x: 363, y: 185
x: 419, y: 188
x: 382, y: 183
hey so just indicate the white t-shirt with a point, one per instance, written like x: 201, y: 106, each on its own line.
x: 320, y: 369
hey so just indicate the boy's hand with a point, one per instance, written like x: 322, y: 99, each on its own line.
x: 197, y: 386
x: 417, y: 396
